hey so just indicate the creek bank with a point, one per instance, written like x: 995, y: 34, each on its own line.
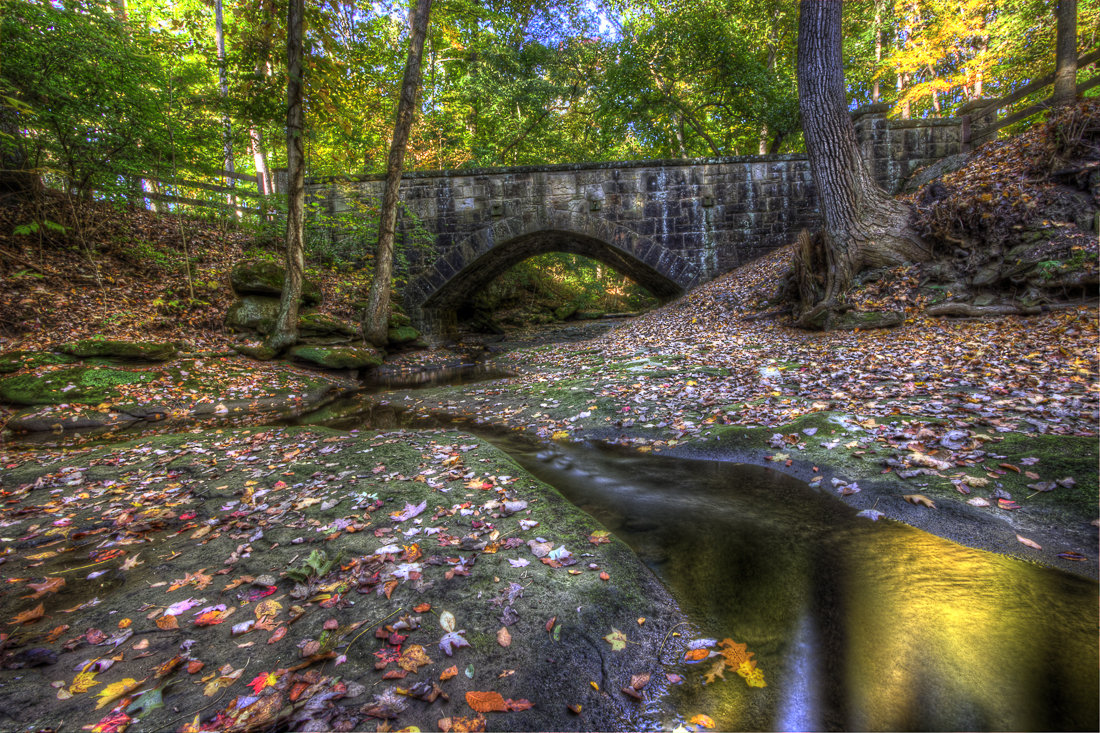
x: 414, y: 518
x: 866, y: 460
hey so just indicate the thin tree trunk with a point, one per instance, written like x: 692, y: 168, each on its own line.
x: 285, y: 333
x: 223, y: 86
x: 864, y: 227
x: 376, y: 318
x: 878, y: 52
x: 1065, y: 74
x: 259, y: 157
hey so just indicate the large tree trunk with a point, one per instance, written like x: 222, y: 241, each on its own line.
x: 285, y: 333
x: 864, y: 227
x: 376, y: 318
x: 1065, y: 74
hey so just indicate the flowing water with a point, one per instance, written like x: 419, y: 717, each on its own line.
x: 855, y: 625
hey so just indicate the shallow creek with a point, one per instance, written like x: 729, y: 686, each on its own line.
x: 856, y: 625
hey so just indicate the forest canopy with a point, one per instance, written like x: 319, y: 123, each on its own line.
x: 100, y: 92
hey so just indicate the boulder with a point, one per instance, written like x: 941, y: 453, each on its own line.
x: 110, y: 349
x: 79, y: 385
x: 864, y: 320
x: 338, y: 357
x: 397, y: 320
x: 564, y: 312
x: 13, y: 361
x: 319, y: 324
x: 263, y: 277
x: 589, y: 315
x: 253, y: 313
x: 402, y: 335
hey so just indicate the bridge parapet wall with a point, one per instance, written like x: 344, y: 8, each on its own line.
x: 712, y: 214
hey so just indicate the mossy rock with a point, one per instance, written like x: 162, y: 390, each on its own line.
x: 319, y: 324
x: 110, y: 349
x: 338, y: 357
x: 403, y: 335
x: 13, y: 361
x: 564, y: 312
x: 79, y: 385
x: 864, y: 320
x: 397, y: 320
x: 589, y: 315
x: 262, y: 277
x: 253, y: 313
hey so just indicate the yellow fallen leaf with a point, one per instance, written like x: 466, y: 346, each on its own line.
x: 83, y: 682
x: 112, y: 692
x: 919, y: 499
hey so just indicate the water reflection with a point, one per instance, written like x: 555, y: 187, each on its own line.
x: 857, y: 625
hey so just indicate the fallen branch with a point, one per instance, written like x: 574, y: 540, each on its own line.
x: 23, y: 262
x: 980, y: 311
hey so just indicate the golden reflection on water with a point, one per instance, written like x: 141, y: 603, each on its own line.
x: 857, y: 625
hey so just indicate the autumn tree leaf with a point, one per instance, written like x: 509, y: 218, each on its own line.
x: 47, y: 586
x: 29, y: 617
x: 485, y: 702
x: 919, y: 500
x: 83, y: 682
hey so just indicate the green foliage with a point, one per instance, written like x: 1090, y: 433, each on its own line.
x: 315, y: 567
x: 558, y: 278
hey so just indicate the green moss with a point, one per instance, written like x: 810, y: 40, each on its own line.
x: 403, y: 335
x: 15, y: 360
x: 81, y: 385
x: 338, y: 357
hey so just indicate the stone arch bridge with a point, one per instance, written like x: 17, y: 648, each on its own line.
x: 667, y: 224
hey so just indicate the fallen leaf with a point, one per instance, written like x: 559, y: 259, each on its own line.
x: 112, y: 692
x: 616, y: 639
x: 696, y: 655
x: 703, y: 720
x: 550, y: 624
x: 1030, y: 543
x: 575, y: 709
x: 977, y: 501
x: 919, y: 499
x: 485, y: 702
x: 503, y: 637
x: 1071, y: 556
x: 447, y: 621
x: 29, y: 617
x: 448, y: 673
x: 48, y: 586
x: 82, y: 683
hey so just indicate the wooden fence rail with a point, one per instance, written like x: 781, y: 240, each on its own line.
x: 1040, y: 83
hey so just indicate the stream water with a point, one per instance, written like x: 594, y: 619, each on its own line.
x: 856, y: 625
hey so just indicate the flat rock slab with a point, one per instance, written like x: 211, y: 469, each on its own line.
x: 123, y: 350
x: 212, y: 523
x: 338, y: 357
x: 13, y: 361
x: 107, y: 396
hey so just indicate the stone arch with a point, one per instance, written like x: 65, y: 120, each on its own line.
x: 432, y: 297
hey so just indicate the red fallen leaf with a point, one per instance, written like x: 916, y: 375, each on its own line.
x: 279, y: 634
x: 514, y: 706
x: 1071, y: 556
x: 94, y: 636
x: 195, y: 666
x: 552, y: 563
x: 395, y: 674
x: 1007, y: 504
x: 331, y: 625
x: 116, y: 721
x: 423, y: 608
x: 550, y: 624
x: 297, y: 690
x: 605, y: 576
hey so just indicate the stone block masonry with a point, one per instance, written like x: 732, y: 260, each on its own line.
x: 668, y: 224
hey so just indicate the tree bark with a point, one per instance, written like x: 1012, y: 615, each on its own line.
x: 285, y: 333
x: 223, y: 86
x: 376, y: 318
x: 1065, y: 74
x: 864, y: 227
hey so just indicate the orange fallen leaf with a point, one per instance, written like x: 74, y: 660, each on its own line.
x: 503, y: 637
x: 703, y: 720
x: 48, y: 586
x: 167, y: 623
x: 29, y: 617
x: 448, y: 673
x: 485, y: 702
x: 696, y: 654
x: 605, y: 576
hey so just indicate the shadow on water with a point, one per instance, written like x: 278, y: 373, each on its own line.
x: 856, y: 625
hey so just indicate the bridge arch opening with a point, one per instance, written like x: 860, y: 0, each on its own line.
x: 483, y: 270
